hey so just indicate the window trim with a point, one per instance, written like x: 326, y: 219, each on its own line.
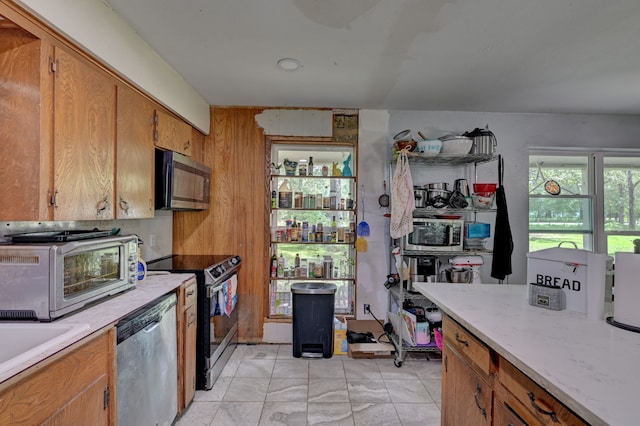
x: 595, y: 176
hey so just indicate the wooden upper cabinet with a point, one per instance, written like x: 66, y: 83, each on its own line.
x: 134, y: 155
x: 197, y: 144
x: 172, y: 134
x: 26, y: 88
x: 84, y: 139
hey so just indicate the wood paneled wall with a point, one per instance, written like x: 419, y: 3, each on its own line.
x: 236, y: 222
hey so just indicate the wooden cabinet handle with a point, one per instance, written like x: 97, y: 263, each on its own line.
x: 54, y: 199
x: 459, y: 340
x: 187, y: 145
x: 190, y: 292
x: 124, y: 205
x: 482, y: 410
x: 552, y: 414
x: 103, y: 205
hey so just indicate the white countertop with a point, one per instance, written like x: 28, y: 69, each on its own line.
x: 106, y: 313
x: 589, y: 365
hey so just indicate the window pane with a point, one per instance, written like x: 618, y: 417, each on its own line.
x: 621, y: 194
x: 622, y: 243
x: 561, y: 214
x: 570, y: 173
x: 281, y: 297
x: 540, y: 241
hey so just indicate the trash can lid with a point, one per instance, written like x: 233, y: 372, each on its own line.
x: 313, y: 288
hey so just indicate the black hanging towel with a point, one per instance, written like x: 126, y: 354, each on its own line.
x: 502, y: 238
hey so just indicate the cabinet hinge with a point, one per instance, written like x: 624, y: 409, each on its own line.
x: 53, y: 65
x: 106, y: 398
x: 446, y: 363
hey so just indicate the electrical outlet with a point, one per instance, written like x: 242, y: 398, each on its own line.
x: 152, y: 240
x: 367, y: 308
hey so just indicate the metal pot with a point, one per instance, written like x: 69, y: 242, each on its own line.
x: 484, y: 141
x: 420, y: 196
x: 438, y: 196
x: 441, y: 185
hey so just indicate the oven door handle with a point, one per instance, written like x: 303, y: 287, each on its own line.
x: 212, y: 290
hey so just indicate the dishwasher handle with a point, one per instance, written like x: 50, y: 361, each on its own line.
x: 146, y: 318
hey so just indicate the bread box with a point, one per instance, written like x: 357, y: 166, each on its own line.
x: 580, y: 273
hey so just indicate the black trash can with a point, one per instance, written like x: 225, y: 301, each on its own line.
x: 313, y: 319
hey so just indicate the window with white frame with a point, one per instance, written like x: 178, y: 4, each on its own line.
x: 584, y: 199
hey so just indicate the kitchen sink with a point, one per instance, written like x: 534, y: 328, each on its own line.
x: 24, y: 341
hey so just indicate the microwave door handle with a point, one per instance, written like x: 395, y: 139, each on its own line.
x: 449, y: 235
x: 167, y: 187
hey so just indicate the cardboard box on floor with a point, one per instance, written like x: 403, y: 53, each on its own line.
x: 340, y: 335
x: 368, y: 350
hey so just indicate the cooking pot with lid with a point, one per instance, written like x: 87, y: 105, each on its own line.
x: 439, y: 185
x: 484, y: 141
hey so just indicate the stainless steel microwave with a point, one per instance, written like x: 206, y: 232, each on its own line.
x: 181, y: 183
x: 43, y: 281
x: 435, y: 235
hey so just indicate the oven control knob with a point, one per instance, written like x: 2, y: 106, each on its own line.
x: 132, y: 258
x: 132, y: 279
x: 234, y: 260
x: 132, y: 267
x: 216, y: 272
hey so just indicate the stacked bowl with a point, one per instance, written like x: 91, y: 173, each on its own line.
x: 483, y: 195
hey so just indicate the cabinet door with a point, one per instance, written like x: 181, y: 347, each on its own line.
x: 69, y: 390
x: 190, y: 354
x: 84, y: 140
x: 197, y: 146
x: 466, y: 398
x: 82, y: 410
x: 135, y: 156
x: 25, y: 123
x: 503, y: 415
x: 172, y: 134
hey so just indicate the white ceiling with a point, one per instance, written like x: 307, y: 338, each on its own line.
x: 569, y: 56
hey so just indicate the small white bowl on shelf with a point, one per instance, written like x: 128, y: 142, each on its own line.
x: 429, y: 146
x: 456, y: 145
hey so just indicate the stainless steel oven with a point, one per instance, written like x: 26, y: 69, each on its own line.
x: 217, y: 320
x: 45, y: 280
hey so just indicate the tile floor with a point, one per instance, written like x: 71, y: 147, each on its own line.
x: 266, y: 385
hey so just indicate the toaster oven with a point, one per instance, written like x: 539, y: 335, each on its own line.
x: 43, y: 281
x: 430, y: 234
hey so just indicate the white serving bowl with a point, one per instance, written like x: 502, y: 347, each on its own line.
x: 429, y: 147
x: 456, y: 145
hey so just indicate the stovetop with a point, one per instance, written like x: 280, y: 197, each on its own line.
x: 217, y: 264
x: 187, y: 262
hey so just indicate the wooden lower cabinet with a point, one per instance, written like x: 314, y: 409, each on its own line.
x: 187, y: 323
x: 466, y: 397
x: 503, y: 415
x: 190, y: 355
x: 76, y: 388
x: 479, y: 387
x: 529, y: 401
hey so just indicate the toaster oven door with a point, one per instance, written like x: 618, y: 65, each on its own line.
x: 86, y: 271
x: 434, y: 235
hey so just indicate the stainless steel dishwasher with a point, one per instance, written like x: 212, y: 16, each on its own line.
x: 147, y: 365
